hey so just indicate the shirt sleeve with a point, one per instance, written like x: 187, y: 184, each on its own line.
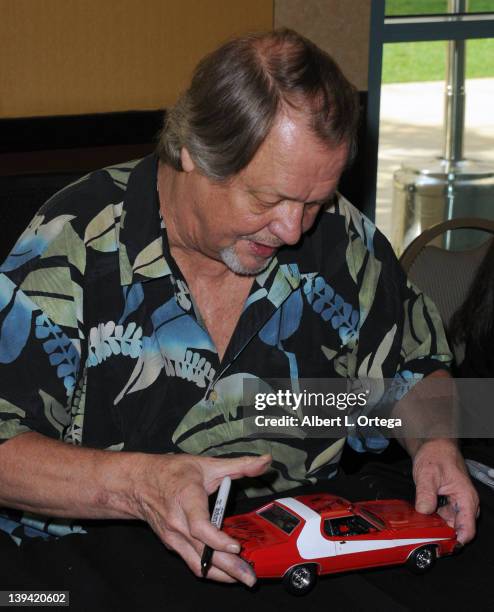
x: 40, y: 331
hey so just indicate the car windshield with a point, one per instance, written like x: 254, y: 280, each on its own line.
x: 370, y: 516
x: 280, y: 517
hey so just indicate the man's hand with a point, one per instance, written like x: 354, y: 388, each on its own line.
x: 171, y: 494
x: 439, y: 469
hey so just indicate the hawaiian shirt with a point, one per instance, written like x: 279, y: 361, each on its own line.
x: 102, y: 344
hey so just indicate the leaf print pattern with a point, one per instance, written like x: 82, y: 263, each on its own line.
x: 358, y: 223
x: 100, y: 233
x: 133, y: 296
x: 149, y: 262
x: 15, y: 320
x: 55, y: 412
x: 194, y: 368
x: 281, y: 326
x: 120, y: 173
x: 44, y: 287
x: 73, y: 433
x: 146, y: 369
x: 181, y: 339
x: 61, y: 350
x: 332, y: 307
x: 402, y: 383
x: 109, y: 339
x: 229, y: 393
x: 20, y: 525
x: 182, y: 295
x: 34, y: 241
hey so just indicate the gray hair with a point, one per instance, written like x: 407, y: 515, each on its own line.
x: 236, y: 92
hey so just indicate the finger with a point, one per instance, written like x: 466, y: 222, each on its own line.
x: 464, y: 508
x: 177, y: 522
x: 175, y: 541
x: 465, y: 522
x: 191, y: 557
x: 461, y: 515
x: 234, y: 566
x: 447, y: 514
x: 230, y: 564
x: 194, y: 506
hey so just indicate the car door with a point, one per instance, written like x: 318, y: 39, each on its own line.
x: 359, y: 544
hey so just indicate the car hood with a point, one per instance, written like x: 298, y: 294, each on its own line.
x: 252, y: 531
x: 401, y: 515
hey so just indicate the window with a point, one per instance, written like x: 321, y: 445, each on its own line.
x: 410, y: 43
x: 434, y: 7
x: 280, y: 517
x: 348, y: 526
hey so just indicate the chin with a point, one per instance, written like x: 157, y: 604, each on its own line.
x: 232, y: 261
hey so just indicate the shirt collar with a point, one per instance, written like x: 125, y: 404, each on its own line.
x: 279, y: 280
x: 141, y: 241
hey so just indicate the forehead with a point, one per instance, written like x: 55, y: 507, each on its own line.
x: 294, y: 162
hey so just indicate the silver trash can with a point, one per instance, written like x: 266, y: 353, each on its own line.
x: 427, y: 193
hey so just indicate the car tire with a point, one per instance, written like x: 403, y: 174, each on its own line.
x: 300, y: 579
x: 422, y: 559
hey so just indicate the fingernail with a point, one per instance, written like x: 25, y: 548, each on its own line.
x: 233, y: 548
x: 249, y: 578
x: 250, y: 583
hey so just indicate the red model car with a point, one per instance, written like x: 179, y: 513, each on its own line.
x: 299, y: 538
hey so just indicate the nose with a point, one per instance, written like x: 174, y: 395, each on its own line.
x: 288, y: 223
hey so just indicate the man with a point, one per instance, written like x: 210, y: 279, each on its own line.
x: 141, y: 298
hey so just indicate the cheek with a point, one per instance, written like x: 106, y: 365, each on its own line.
x: 251, y: 223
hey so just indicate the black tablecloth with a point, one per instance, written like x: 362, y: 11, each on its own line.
x: 123, y: 566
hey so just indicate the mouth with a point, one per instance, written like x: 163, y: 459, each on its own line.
x: 262, y: 250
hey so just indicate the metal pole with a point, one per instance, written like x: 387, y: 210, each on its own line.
x: 373, y: 106
x: 454, y: 113
x: 454, y: 108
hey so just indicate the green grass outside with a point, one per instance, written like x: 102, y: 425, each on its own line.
x: 421, y: 7
x: 426, y: 61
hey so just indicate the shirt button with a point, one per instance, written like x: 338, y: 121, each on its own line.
x: 213, y: 396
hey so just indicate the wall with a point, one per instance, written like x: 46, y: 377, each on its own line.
x: 64, y: 57
x: 340, y: 27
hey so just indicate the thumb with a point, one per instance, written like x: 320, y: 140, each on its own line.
x: 425, y: 498
x: 241, y: 466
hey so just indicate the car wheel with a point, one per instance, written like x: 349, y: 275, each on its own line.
x: 422, y: 559
x: 300, y: 579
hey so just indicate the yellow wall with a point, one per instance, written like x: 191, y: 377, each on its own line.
x: 89, y: 56
x: 340, y: 27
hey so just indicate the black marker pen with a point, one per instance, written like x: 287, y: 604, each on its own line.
x: 216, y: 520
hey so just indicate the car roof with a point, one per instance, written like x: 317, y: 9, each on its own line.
x: 324, y: 504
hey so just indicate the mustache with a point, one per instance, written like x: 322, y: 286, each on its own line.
x: 264, y: 241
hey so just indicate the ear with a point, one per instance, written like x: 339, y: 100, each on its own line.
x: 187, y: 163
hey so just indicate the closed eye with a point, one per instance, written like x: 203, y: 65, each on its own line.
x: 275, y: 201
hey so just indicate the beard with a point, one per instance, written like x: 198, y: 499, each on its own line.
x: 232, y: 261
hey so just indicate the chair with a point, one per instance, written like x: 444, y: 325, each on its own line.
x: 445, y: 276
